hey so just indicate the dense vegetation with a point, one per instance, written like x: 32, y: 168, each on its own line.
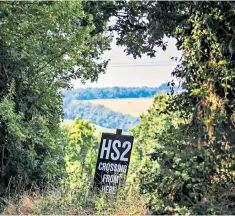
x: 112, y: 93
x: 183, y: 159
x: 191, y: 168
x: 174, y: 175
x: 40, y: 43
x: 100, y: 115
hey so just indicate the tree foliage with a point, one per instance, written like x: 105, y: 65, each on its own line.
x: 175, y: 175
x: 196, y: 157
x: 185, y: 144
x: 112, y: 93
x: 197, y: 154
x: 81, y: 153
x: 40, y: 45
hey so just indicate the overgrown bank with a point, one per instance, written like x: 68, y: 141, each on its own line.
x: 73, y: 193
x: 183, y: 160
x: 167, y: 174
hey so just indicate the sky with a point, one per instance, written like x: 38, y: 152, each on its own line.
x: 126, y: 71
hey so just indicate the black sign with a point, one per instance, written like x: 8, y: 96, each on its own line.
x: 113, y: 161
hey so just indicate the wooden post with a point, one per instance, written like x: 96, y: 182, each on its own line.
x: 119, y: 131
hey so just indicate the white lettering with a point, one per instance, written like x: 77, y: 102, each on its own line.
x: 108, y: 189
x: 104, y: 166
x: 110, y: 167
x: 100, y: 166
x: 104, y: 177
x: 115, y: 179
x: 110, y: 178
x: 124, y: 168
x: 126, y: 150
x: 116, y: 150
x: 115, y: 168
x: 105, y: 148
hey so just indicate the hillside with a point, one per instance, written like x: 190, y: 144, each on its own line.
x: 114, y: 107
x: 127, y: 106
x: 100, y: 115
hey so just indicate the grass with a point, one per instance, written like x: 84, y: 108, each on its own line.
x: 54, y: 202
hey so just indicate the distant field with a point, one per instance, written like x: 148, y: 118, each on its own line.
x: 132, y: 106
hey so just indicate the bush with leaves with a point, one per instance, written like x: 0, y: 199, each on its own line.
x: 81, y: 155
x: 175, y: 174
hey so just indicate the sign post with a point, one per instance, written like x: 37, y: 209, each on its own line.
x: 113, y: 161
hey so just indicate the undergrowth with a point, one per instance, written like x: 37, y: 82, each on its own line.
x: 53, y: 201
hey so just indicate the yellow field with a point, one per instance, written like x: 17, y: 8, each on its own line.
x: 132, y: 106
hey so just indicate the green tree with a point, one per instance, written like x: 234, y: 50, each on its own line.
x: 204, y: 33
x: 173, y: 174
x: 40, y: 45
x: 80, y: 159
x: 205, y: 38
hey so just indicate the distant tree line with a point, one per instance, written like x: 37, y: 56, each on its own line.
x: 112, y: 92
x: 100, y: 115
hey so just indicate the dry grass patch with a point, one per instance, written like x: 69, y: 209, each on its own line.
x: 25, y: 206
x: 134, y: 204
x: 49, y: 203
